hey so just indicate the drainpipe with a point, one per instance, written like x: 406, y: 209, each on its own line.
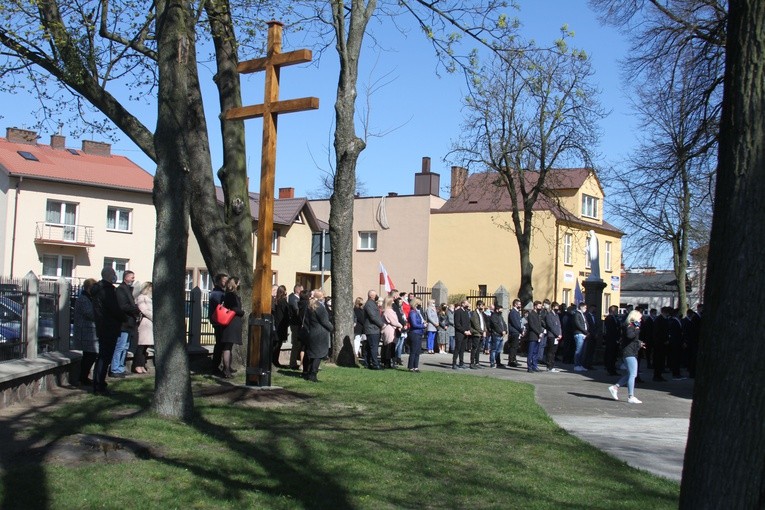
x: 323, y: 234
x: 557, y: 256
x: 15, y: 215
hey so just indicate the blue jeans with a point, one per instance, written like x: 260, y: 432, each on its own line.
x: 120, y: 353
x: 531, y: 359
x: 632, y: 366
x: 496, y: 350
x: 400, y: 344
x: 431, y: 340
x: 579, y: 353
x: 451, y: 343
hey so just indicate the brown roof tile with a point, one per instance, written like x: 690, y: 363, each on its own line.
x: 60, y: 165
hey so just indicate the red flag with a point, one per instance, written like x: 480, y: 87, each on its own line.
x: 385, y: 279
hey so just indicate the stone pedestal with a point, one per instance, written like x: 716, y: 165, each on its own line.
x: 593, y: 294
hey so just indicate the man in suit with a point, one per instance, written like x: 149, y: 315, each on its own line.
x: 554, y: 336
x: 676, y: 344
x: 514, y: 329
x: 293, y: 302
x: 580, y: 333
x: 477, y: 333
x: 497, y: 330
x: 535, y: 330
x: 660, y: 343
x: 612, y: 337
x: 594, y: 335
x: 461, y: 333
x: 647, y: 334
x: 108, y: 322
x: 131, y: 316
x: 373, y: 322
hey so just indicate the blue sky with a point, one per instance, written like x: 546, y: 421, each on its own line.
x: 419, y: 112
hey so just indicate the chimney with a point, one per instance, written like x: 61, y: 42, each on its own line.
x: 58, y: 142
x: 16, y: 135
x: 459, y: 179
x: 96, y: 148
x: 392, y: 194
x: 286, y: 193
x: 426, y: 182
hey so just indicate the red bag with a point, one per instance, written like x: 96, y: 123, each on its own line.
x: 223, y: 316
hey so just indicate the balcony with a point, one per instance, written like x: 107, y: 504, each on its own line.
x: 63, y: 235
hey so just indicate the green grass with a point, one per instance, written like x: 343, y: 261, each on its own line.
x: 358, y: 439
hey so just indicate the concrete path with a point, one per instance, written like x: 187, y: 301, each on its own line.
x: 649, y: 436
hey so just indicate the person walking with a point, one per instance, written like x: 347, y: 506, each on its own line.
x: 85, y: 337
x: 320, y: 328
x: 144, y: 303
x: 631, y: 345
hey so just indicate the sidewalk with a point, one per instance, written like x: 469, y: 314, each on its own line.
x: 649, y: 436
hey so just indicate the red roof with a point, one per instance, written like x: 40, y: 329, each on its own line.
x: 61, y: 165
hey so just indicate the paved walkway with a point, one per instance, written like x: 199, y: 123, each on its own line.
x: 649, y: 436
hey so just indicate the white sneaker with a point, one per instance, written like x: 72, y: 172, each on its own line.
x: 634, y: 400
x: 579, y: 369
x: 614, y: 392
x: 554, y: 370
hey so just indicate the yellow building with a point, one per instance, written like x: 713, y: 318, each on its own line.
x: 472, y: 245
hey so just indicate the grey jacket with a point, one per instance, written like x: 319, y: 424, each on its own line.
x: 432, y: 319
x: 372, y: 318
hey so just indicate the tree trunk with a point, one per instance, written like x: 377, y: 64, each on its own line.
x: 725, y: 456
x: 526, y: 290
x: 172, y: 396
x: 348, y: 146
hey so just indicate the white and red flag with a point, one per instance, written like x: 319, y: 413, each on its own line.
x: 385, y: 279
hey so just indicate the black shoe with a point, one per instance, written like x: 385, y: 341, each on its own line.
x: 500, y: 365
x: 121, y: 375
x: 513, y: 364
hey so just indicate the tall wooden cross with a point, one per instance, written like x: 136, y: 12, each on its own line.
x: 258, y: 356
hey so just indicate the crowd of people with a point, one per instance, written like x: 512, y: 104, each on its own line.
x: 108, y: 321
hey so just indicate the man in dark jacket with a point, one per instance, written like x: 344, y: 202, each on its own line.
x: 660, y: 343
x: 108, y: 322
x: 612, y: 339
x: 554, y: 336
x: 131, y: 315
x: 293, y: 300
x: 497, y: 330
x: 215, y: 299
x: 372, y: 324
x: 478, y: 321
x: 461, y: 332
x: 514, y: 329
x: 535, y: 328
x: 580, y: 334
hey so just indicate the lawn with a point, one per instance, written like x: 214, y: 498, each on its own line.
x: 358, y: 439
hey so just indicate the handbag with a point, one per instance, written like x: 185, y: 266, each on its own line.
x: 223, y: 316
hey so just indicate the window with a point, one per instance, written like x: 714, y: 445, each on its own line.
x: 589, y: 206
x: 606, y: 301
x: 119, y: 219
x: 367, y: 241
x: 275, y: 241
x: 608, y: 256
x: 189, y: 279
x: 62, y: 214
x: 73, y: 151
x: 482, y: 290
x: 204, y: 281
x: 27, y: 155
x: 321, y: 251
x: 56, y: 266
x: 566, y: 296
x: 568, y: 241
x: 119, y: 266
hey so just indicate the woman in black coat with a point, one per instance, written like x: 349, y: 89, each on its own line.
x: 231, y: 334
x: 319, y: 328
x: 280, y: 311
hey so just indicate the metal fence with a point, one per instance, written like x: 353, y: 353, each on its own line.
x: 207, y: 335
x: 15, y: 305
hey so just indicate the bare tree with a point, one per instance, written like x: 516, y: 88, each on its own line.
x: 528, y: 113
x: 666, y: 181
x: 73, y: 56
x: 725, y: 456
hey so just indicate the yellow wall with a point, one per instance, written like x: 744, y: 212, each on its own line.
x: 471, y: 249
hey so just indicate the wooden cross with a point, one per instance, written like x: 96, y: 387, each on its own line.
x: 269, y: 110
